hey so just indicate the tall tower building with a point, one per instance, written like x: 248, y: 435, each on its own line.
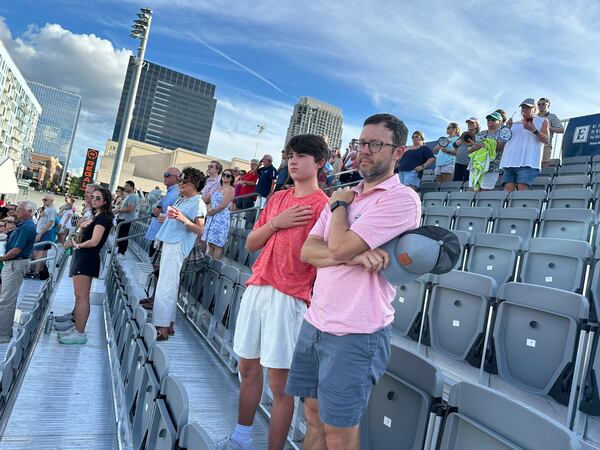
x: 171, y: 109
x: 19, y: 113
x: 316, y: 117
x: 56, y: 128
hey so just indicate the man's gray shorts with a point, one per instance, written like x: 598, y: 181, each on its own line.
x: 339, y: 371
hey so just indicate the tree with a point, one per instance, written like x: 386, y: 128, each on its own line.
x: 75, y: 187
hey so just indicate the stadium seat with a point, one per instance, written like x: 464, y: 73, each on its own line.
x: 574, y: 169
x: 535, y: 337
x: 473, y: 220
x: 463, y: 238
x: 527, y: 199
x: 570, y: 182
x: 458, y: 312
x: 576, y: 160
x: 491, y: 199
x: 540, y: 184
x: 434, y: 199
x: 548, y: 172
x: 211, y: 280
x: 408, y: 306
x: 401, y: 413
x: 224, y: 297
x: 567, y: 223
x: 7, y: 375
x: 494, y: 255
x: 244, y: 254
x: 194, y: 437
x: 594, y: 290
x: 451, y: 186
x: 557, y: 263
x: 429, y: 186
x: 460, y: 199
x: 595, y: 166
x: 590, y: 396
x: 570, y: 198
x: 481, y: 418
x: 170, y: 415
x: 516, y: 221
x: 439, y: 216
x: 137, y: 357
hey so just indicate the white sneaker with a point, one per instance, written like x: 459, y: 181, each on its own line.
x: 64, y: 333
x: 73, y: 338
x: 229, y: 443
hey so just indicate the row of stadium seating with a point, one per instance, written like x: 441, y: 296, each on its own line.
x: 155, y: 403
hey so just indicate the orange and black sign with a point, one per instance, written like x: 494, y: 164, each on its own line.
x: 91, y: 159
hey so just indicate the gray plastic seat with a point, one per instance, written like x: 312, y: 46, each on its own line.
x: 540, y: 184
x: 400, y: 413
x: 460, y: 199
x: 458, y: 312
x: 535, y: 337
x: 7, y: 375
x: 570, y: 198
x: 244, y: 256
x: 439, y: 216
x: 567, y: 223
x: 557, y: 263
x: 429, y: 186
x: 494, y: 255
x: 408, y: 306
x: 576, y: 160
x: 434, y: 199
x: 136, y: 358
x: 170, y: 415
x: 527, y: 199
x: 516, y: 221
x: 194, y: 437
x: 211, y: 280
x: 451, y: 186
x: 481, y: 418
x: 548, y: 171
x: 224, y: 297
x: 473, y: 220
x: 570, y: 182
x: 594, y: 292
x: 464, y: 238
x: 574, y: 169
x: 491, y: 199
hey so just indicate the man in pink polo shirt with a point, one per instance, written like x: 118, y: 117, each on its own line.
x: 344, y: 343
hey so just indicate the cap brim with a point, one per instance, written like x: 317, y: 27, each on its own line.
x: 395, y: 273
x: 525, y: 104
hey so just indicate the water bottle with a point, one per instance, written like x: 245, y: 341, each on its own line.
x: 69, y: 251
x: 49, y: 323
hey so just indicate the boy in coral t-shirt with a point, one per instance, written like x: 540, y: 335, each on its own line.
x: 278, y: 293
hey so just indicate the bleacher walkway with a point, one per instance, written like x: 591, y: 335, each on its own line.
x: 65, y: 400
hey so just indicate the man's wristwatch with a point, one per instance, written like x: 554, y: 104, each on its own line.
x: 337, y: 204
x: 536, y: 131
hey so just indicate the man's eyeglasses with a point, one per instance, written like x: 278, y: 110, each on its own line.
x: 374, y: 146
x: 167, y: 175
x: 542, y: 103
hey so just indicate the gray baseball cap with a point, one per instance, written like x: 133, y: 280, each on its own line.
x: 427, y: 249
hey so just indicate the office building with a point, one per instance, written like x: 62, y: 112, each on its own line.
x: 145, y: 163
x: 171, y: 109
x: 312, y: 116
x: 19, y: 113
x: 58, y: 122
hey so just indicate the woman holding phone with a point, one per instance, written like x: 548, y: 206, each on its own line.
x: 85, y: 264
x: 178, y: 233
x: 219, y: 219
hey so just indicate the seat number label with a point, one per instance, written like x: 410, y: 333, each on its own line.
x: 401, y: 299
x: 490, y: 267
x: 513, y: 231
x: 548, y: 279
x: 387, y: 421
x: 456, y: 323
x: 531, y: 343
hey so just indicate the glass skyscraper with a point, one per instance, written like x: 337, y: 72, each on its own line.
x: 58, y: 122
x: 171, y: 109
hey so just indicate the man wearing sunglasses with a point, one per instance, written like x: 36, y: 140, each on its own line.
x: 555, y: 127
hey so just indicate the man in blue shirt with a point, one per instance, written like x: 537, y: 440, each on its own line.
x: 16, y: 262
x: 159, y: 211
x: 266, y: 174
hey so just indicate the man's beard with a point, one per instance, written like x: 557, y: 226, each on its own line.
x: 375, y: 171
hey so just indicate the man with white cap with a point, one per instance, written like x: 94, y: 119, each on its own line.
x: 522, y: 157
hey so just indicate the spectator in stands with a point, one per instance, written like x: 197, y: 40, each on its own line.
x: 65, y: 213
x: 118, y: 198
x: 218, y: 217
x: 266, y: 175
x: 44, y: 228
x: 249, y: 185
x: 522, y: 158
x: 444, y: 161
x: 11, y: 225
x: 283, y: 174
x: 184, y: 222
x: 554, y: 125
x: 154, y: 196
x: 85, y: 264
x: 484, y: 176
x: 344, y: 343
x: 213, y: 181
x: 126, y: 212
x: 278, y: 293
x: 336, y: 161
x: 159, y: 210
x: 460, y: 150
x: 19, y: 249
x: 414, y: 161
x: 237, y: 184
x: 503, y: 114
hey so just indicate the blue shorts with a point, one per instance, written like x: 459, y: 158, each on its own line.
x: 519, y: 175
x: 339, y: 371
x: 410, y: 178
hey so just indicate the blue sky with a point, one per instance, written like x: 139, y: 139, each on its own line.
x: 426, y: 62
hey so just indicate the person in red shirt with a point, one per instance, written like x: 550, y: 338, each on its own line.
x: 248, y: 185
x: 278, y: 293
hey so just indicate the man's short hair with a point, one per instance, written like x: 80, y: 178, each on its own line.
x: 308, y: 144
x: 392, y: 123
x: 255, y: 161
x: 29, y: 205
x: 130, y: 183
x: 219, y: 166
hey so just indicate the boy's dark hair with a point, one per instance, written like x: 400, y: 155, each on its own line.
x: 130, y: 183
x: 392, y: 123
x: 308, y: 144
